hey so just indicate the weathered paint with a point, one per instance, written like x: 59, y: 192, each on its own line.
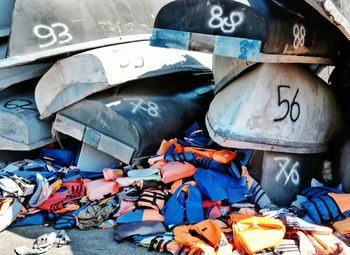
x: 271, y: 107
x: 285, y: 175
x: 260, y: 30
x: 336, y: 11
x: 20, y: 126
x: 42, y: 29
x: 226, y: 69
x: 6, y: 8
x: 221, y: 45
x: 18, y: 74
x: 79, y: 76
x: 130, y: 121
x: 14, y: 75
x: 93, y: 160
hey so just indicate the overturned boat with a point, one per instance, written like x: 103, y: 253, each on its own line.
x: 226, y: 69
x: 79, y: 76
x: 259, y: 30
x: 283, y: 108
x: 14, y: 75
x: 336, y: 11
x: 20, y: 126
x: 289, y: 172
x: 6, y: 8
x: 43, y: 29
x: 130, y: 121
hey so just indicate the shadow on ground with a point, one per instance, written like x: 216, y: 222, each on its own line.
x: 83, y: 242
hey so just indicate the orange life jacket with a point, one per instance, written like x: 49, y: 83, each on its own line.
x: 204, y: 237
x: 255, y: 234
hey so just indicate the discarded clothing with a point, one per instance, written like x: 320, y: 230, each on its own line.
x: 138, y: 228
x: 140, y: 215
x: 9, y: 210
x: 160, y: 243
x: 15, y: 186
x: 286, y: 247
x: 30, y: 220
x: 296, y: 223
x: 43, y: 190
x: 45, y: 242
x: 93, y: 215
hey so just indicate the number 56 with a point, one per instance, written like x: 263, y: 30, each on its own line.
x: 292, y: 108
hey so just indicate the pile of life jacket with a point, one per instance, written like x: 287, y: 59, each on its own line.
x: 192, y: 197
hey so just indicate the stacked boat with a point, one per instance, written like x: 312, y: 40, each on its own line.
x: 268, y: 96
x: 145, y: 93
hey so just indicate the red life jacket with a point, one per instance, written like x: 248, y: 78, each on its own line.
x: 59, y: 200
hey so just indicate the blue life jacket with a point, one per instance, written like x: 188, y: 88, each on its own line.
x: 195, y: 137
x: 212, y: 164
x: 184, y: 206
x: 244, y: 156
x: 319, y: 191
x: 61, y: 157
x: 183, y: 156
x: 30, y: 220
x: 323, y: 210
x: 217, y: 186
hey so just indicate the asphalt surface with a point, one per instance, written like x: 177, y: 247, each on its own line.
x: 82, y: 242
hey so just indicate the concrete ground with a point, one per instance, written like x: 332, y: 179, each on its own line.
x: 82, y: 242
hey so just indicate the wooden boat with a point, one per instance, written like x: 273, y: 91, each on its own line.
x: 283, y: 108
x: 258, y: 30
x: 44, y: 29
x: 6, y: 8
x: 336, y: 11
x: 79, y: 76
x: 20, y: 126
x: 130, y: 121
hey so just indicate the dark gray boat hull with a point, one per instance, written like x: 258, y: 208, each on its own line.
x: 132, y: 122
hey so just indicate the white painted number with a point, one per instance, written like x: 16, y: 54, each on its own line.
x: 227, y: 24
x: 137, y: 62
x: 46, y: 32
x: 130, y: 59
x: 150, y: 107
x: 299, y: 33
x: 293, y: 174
